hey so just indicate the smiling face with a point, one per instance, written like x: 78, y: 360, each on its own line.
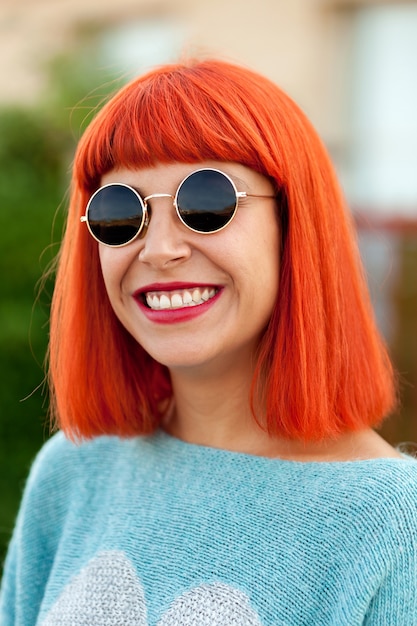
x: 191, y: 299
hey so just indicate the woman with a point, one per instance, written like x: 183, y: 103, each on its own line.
x: 214, y: 360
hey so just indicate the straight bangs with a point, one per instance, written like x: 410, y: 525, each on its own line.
x: 175, y: 114
x: 322, y: 366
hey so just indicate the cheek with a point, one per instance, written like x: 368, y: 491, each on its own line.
x: 113, y: 267
x: 267, y: 262
x: 106, y: 266
x: 266, y: 247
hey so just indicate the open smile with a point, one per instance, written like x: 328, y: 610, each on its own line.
x: 178, y: 299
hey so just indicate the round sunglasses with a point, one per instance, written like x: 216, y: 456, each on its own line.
x: 206, y: 202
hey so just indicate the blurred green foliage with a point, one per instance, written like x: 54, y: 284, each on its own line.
x: 31, y: 186
x: 36, y: 148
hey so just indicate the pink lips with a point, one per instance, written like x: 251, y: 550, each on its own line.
x: 173, y: 316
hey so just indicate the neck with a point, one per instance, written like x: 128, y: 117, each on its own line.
x: 214, y: 410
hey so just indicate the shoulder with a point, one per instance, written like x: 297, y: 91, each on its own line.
x: 63, y: 469
x: 60, y: 456
x: 394, y: 483
x: 395, y: 480
x: 59, y: 451
x: 66, y: 480
x: 382, y: 481
x: 371, y: 498
x: 378, y: 501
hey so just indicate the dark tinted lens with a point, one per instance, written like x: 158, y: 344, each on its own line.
x: 206, y: 201
x: 115, y: 214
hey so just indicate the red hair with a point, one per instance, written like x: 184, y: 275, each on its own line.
x: 322, y: 367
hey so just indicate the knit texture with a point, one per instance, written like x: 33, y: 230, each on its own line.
x: 152, y: 531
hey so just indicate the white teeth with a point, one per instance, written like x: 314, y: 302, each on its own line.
x: 164, y: 302
x: 179, y: 299
x: 176, y: 300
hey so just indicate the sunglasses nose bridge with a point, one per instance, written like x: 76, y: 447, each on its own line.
x: 147, y: 211
x: 157, y: 195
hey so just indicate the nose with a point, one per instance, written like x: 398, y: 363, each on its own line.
x: 164, y: 244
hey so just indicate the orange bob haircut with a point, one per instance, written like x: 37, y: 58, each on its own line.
x: 322, y: 368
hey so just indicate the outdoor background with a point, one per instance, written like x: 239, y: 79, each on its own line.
x: 350, y: 64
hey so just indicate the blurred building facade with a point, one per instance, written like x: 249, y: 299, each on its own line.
x: 350, y: 64
x: 304, y: 45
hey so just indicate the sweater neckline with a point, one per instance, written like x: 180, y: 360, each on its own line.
x: 194, y: 449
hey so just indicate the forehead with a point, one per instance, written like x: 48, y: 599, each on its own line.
x: 165, y: 177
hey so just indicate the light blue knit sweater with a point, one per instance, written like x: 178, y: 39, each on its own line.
x: 154, y: 531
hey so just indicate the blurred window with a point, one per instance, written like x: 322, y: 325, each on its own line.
x: 135, y: 46
x: 383, y: 172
